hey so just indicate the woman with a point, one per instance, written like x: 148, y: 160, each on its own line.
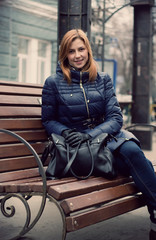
x: 79, y: 103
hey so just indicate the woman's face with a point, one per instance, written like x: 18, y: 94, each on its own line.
x: 78, y: 54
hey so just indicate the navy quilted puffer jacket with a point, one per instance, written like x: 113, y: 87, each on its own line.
x: 90, y: 107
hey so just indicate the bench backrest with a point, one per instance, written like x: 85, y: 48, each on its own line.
x: 20, y: 112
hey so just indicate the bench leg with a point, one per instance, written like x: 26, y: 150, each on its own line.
x: 62, y: 215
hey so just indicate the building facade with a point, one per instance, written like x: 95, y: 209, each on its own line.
x: 28, y: 40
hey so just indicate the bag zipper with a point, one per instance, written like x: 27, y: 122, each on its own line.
x: 84, y: 94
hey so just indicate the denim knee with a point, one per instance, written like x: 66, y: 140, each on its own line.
x: 133, y: 153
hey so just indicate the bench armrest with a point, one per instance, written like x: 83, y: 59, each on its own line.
x: 43, y: 175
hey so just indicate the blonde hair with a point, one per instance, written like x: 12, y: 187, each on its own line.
x: 68, y: 38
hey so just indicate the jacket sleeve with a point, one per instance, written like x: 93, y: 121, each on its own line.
x: 50, y: 108
x: 113, y: 116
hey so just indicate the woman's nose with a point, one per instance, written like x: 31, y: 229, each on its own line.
x: 77, y: 54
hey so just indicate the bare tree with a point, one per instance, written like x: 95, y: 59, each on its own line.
x: 117, y: 38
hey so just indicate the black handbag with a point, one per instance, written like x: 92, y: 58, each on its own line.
x: 91, y: 157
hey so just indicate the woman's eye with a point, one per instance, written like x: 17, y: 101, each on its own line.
x: 71, y: 51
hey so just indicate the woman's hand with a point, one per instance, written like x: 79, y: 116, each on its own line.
x: 73, y: 138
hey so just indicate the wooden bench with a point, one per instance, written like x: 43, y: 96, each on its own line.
x: 80, y: 202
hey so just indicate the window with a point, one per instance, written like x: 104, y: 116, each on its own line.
x: 34, y: 60
x: 23, y: 59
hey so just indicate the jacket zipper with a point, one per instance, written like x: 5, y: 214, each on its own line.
x: 84, y: 94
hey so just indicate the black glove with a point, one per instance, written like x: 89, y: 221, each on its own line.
x: 66, y: 132
x: 73, y: 138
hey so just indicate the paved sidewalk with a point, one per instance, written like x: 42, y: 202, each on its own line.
x: 130, y: 226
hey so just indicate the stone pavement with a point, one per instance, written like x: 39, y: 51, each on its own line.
x: 130, y: 226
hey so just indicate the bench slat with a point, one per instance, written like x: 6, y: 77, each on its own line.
x: 82, y: 220
x: 84, y: 186
x: 22, y: 181
x: 20, y: 149
x: 20, y: 84
x: 98, y: 197
x: 18, y: 100
x: 11, y: 164
x: 22, y: 174
x: 7, y: 111
x: 38, y: 135
x: 20, y: 90
x: 34, y: 186
x: 17, y: 124
x: 37, y: 182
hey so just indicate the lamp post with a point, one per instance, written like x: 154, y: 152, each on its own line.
x: 73, y: 14
x: 142, y: 54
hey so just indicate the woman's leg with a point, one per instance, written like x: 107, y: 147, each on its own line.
x: 130, y: 158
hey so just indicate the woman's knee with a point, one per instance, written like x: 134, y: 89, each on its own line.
x: 130, y: 148
x: 132, y: 152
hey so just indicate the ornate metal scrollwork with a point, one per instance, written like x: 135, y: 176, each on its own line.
x: 10, y: 211
x: 10, y: 208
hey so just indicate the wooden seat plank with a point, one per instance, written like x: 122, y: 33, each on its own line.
x: 84, y: 186
x: 37, y: 186
x: 34, y: 184
x: 80, y: 202
x: 2, y: 189
x: 21, y: 174
x: 85, y: 219
x: 22, y: 181
x: 37, y: 180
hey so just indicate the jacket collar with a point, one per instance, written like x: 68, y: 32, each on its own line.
x: 75, y: 75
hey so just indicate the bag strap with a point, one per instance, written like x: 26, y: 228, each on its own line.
x: 71, y: 161
x: 46, y: 152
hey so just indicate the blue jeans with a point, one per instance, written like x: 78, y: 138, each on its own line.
x: 130, y: 160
